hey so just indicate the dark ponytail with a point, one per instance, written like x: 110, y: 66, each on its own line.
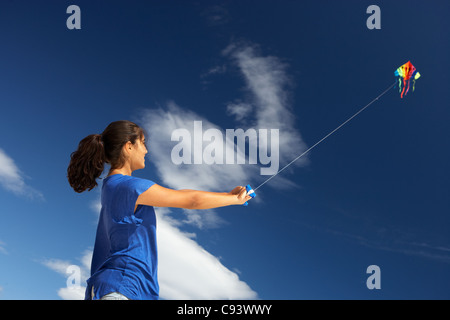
x: 87, y: 162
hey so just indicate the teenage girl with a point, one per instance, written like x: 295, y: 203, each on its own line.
x: 124, y: 262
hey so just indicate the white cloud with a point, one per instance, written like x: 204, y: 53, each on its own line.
x: 269, y: 86
x: 72, y: 293
x: 160, y: 123
x: 187, y: 271
x: 12, y: 179
x: 96, y: 206
x: 239, y: 110
x: 75, y: 291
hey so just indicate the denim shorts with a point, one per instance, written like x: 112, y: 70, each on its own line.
x: 110, y: 296
x: 114, y: 296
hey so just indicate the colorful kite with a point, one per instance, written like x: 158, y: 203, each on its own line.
x: 406, y: 72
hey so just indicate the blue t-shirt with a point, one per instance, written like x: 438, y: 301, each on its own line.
x: 125, y: 253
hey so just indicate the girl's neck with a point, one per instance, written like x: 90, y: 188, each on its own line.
x: 124, y: 171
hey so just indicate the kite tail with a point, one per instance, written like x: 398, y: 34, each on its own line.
x: 404, y: 86
x: 399, y: 84
x: 407, y: 89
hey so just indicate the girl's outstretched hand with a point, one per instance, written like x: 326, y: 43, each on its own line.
x: 241, y: 193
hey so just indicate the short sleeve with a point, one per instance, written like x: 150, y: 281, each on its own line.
x: 126, y: 196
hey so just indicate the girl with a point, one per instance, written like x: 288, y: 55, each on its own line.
x: 124, y: 262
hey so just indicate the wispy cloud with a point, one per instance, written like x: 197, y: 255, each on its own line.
x: 216, y: 15
x: 160, y: 123
x: 13, y: 179
x: 3, y: 248
x: 396, y: 240
x: 425, y: 250
x: 63, y: 267
x: 269, y: 86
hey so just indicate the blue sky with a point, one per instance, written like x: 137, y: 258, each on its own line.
x: 374, y: 193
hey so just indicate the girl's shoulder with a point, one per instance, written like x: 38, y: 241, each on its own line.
x: 127, y: 182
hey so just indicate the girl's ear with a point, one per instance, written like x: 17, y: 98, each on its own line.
x: 128, y: 146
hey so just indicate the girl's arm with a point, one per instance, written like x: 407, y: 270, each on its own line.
x: 158, y: 196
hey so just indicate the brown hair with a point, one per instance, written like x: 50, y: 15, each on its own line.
x: 87, y: 162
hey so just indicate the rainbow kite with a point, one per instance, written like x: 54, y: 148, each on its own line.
x: 406, y: 72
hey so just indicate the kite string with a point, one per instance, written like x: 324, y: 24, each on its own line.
x: 329, y: 134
